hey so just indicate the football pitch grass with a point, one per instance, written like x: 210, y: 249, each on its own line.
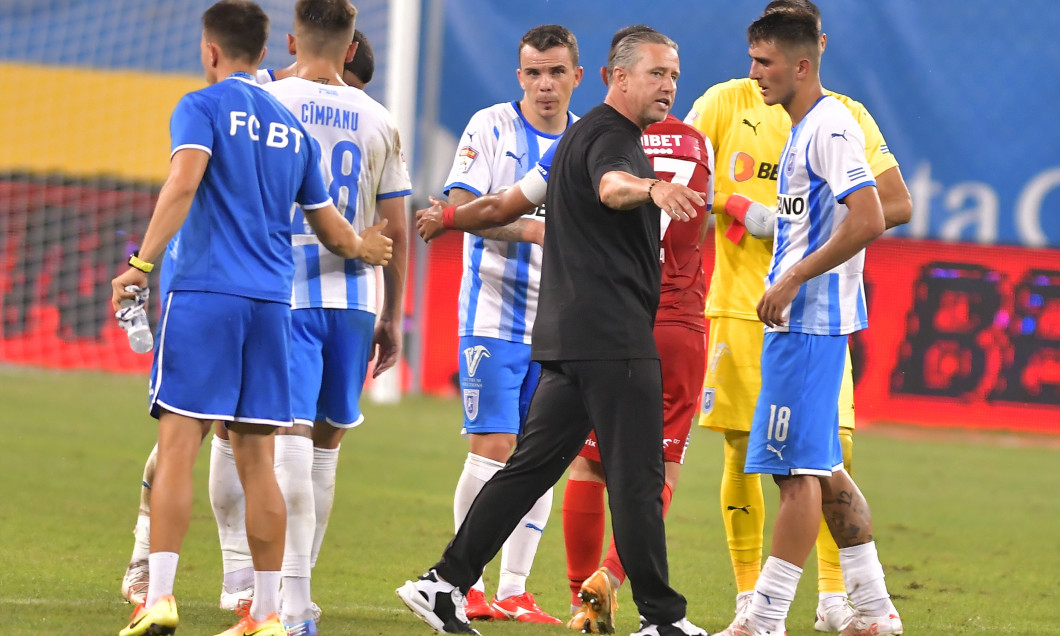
x: 968, y: 525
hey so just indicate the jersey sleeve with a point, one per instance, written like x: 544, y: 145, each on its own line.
x: 313, y: 194
x: 709, y: 150
x: 394, y: 180
x: 608, y: 152
x: 876, y: 151
x: 534, y: 183
x: 472, y: 166
x: 838, y: 155
x: 191, y: 125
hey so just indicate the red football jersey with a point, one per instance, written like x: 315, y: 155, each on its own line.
x: 681, y: 154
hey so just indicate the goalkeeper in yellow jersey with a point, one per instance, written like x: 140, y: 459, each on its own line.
x: 748, y: 138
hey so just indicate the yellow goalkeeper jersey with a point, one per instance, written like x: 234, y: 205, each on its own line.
x: 748, y: 137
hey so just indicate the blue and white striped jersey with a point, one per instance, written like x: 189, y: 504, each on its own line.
x: 360, y: 156
x: 498, y: 291
x: 823, y: 161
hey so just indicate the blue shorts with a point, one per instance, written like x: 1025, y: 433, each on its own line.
x: 796, y: 422
x: 497, y: 380
x: 222, y: 357
x: 330, y: 350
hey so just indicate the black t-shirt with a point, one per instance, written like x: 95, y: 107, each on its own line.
x: 600, y: 270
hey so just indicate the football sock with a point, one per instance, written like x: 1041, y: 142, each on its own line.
x: 774, y: 592
x: 141, y: 539
x: 229, y: 509
x: 829, y: 599
x: 742, y: 511
x: 864, y: 578
x: 294, y: 467
x: 266, y: 595
x: 583, y: 531
x: 829, y: 573
x: 517, y: 555
x: 145, y: 483
x: 325, y: 465
x: 162, y: 571
x: 612, y: 562
x: 297, y: 599
x: 477, y: 471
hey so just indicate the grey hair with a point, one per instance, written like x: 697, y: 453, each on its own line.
x: 626, y: 53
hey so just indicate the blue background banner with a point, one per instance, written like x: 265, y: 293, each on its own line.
x: 965, y: 91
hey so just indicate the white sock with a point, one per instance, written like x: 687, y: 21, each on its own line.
x: 266, y: 595
x: 229, y: 509
x: 294, y: 472
x: 141, y: 539
x: 297, y: 599
x: 325, y: 465
x: 828, y: 599
x: 162, y: 570
x: 774, y: 592
x: 517, y: 556
x: 863, y: 577
x: 477, y: 471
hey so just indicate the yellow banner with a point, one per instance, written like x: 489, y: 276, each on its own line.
x: 88, y: 122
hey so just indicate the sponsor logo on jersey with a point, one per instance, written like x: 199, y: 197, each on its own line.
x: 471, y: 404
x: 753, y: 127
x: 465, y: 157
x: 741, y: 167
x: 473, y: 356
x: 790, y: 206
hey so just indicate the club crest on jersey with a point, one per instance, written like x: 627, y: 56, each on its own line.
x: 471, y: 404
x: 789, y: 167
x: 708, y: 400
x: 465, y: 157
x: 473, y: 357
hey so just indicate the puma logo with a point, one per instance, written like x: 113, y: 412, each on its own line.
x: 743, y: 508
x: 753, y: 127
x: 518, y: 158
x: 842, y: 135
x: 779, y: 452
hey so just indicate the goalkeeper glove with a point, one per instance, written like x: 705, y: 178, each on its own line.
x: 759, y: 220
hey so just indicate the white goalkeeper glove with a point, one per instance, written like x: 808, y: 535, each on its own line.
x: 759, y: 220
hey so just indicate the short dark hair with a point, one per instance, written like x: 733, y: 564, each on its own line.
x: 547, y: 36
x: 793, y: 5
x: 363, y: 63
x: 630, y: 30
x: 321, y: 24
x: 625, y: 54
x: 239, y: 27
x: 787, y: 27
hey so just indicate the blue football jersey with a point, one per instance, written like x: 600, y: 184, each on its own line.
x: 237, y: 236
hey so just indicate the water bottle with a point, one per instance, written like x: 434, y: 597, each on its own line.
x: 139, y: 331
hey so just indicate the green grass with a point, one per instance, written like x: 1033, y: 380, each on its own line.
x: 968, y: 526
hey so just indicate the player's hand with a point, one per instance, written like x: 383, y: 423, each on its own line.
x: 386, y: 345
x: 429, y: 220
x: 376, y: 249
x: 776, y: 301
x: 131, y: 276
x: 677, y: 201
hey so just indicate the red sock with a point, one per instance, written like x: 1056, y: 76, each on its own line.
x: 611, y: 561
x: 583, y: 531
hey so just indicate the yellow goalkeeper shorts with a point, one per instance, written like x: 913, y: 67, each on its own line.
x: 734, y: 377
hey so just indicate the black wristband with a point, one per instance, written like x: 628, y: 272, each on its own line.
x: 653, y: 184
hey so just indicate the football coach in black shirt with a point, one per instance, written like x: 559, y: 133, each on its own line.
x: 600, y: 279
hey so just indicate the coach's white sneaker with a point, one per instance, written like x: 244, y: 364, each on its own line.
x: 679, y: 628
x: 437, y: 603
x: 833, y: 617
